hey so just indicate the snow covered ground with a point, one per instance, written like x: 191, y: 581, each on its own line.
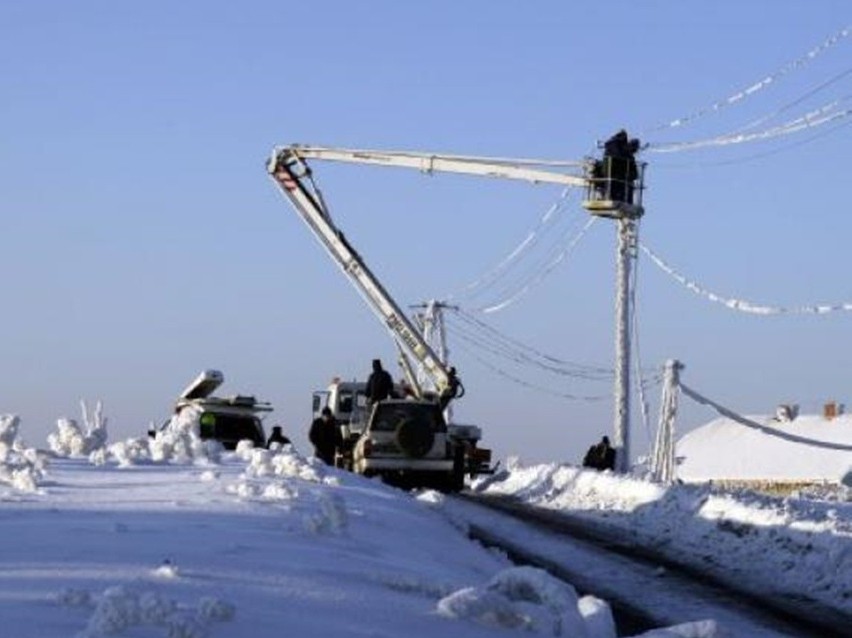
x: 173, y: 537
x: 794, y: 547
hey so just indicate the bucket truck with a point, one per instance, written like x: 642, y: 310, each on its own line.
x: 417, y: 448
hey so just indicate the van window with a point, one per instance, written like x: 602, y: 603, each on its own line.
x: 345, y: 402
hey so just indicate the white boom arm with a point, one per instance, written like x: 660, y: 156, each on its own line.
x: 519, y: 169
x: 288, y: 168
x: 294, y: 179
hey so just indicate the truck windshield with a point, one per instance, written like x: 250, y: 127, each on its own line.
x: 389, y: 416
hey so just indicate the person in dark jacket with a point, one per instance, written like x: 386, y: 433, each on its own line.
x: 607, y: 454
x: 620, y: 164
x: 277, y: 436
x: 325, y: 436
x: 600, y: 456
x: 454, y: 389
x: 590, y: 460
x: 379, y: 383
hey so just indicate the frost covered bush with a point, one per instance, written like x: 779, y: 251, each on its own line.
x: 245, y: 449
x: 178, y: 442
x: 215, y: 609
x: 181, y: 441
x: 285, y: 463
x: 21, y: 467
x: 71, y: 439
x: 282, y: 465
x: 8, y: 435
x: 531, y: 600
x: 121, y: 608
x: 130, y: 451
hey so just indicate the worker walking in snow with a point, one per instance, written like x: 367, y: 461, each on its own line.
x: 379, y: 383
x: 325, y: 436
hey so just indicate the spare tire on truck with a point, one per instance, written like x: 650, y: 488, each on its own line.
x: 414, y: 437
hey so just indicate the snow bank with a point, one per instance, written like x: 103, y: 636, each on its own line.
x: 21, y: 468
x: 276, y: 475
x: 531, y: 600
x: 790, y: 546
x: 700, y: 629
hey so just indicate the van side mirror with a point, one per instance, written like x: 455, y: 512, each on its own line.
x: 316, y: 403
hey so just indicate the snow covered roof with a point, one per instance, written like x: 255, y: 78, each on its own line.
x: 808, y: 448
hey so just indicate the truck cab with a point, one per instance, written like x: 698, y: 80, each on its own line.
x: 347, y: 401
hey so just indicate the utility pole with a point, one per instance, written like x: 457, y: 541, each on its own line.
x: 615, y: 190
x: 434, y: 330
x: 621, y: 431
x: 662, y: 459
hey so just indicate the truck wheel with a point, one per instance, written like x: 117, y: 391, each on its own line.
x: 414, y: 437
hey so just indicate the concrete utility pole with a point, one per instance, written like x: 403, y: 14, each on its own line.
x: 615, y: 191
x: 621, y: 431
x: 662, y: 459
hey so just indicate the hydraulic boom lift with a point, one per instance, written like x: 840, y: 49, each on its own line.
x: 288, y: 166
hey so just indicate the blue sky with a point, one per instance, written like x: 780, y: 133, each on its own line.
x: 144, y: 242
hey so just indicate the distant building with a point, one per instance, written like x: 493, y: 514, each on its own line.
x: 806, y: 449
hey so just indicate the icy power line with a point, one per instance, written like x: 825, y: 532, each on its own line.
x: 773, y: 78
x: 739, y: 304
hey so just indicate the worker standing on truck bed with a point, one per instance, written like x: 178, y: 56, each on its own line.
x: 379, y: 383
